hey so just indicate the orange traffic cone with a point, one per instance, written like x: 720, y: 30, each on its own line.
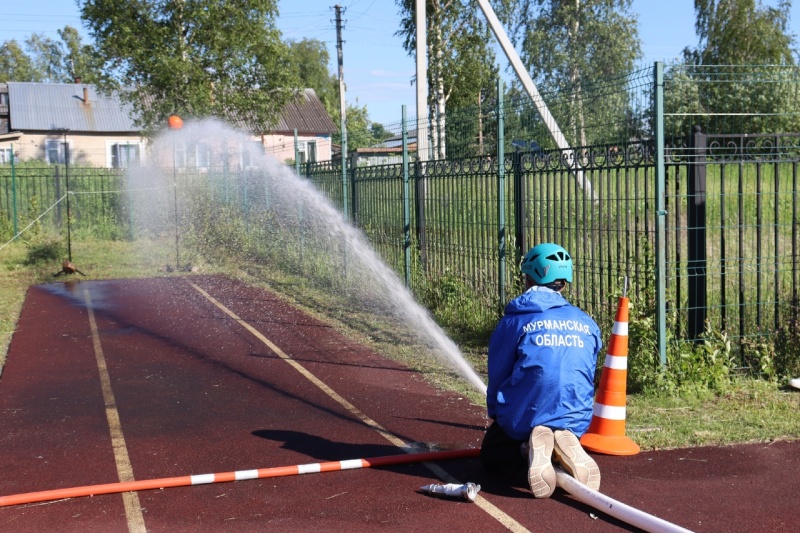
x: 606, y: 433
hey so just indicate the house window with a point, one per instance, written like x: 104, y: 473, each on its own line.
x: 55, y: 151
x: 5, y: 155
x: 248, y: 153
x: 202, y: 155
x: 179, y: 155
x: 125, y: 154
x: 307, y: 152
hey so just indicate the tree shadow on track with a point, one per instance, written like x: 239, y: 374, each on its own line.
x: 321, y: 449
x: 476, y: 427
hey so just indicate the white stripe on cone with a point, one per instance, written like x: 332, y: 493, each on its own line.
x: 609, y: 412
x: 620, y: 329
x: 616, y: 362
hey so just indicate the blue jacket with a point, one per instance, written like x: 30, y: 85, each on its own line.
x: 542, y: 359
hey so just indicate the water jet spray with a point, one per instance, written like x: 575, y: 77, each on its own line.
x: 266, y: 214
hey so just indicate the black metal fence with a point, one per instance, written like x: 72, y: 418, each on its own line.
x: 712, y: 215
x: 701, y: 221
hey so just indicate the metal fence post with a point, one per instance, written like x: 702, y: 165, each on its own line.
x: 406, y: 205
x: 14, y: 190
x: 57, y: 185
x: 661, y: 214
x: 420, y: 189
x: 520, y: 216
x: 696, y: 234
x: 352, y: 181
x: 501, y: 199
x: 345, y: 207
x: 296, y: 154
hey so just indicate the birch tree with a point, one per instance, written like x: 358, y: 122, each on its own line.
x: 461, y: 59
x: 570, y: 46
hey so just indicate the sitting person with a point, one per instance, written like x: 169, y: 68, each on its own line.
x: 541, y: 363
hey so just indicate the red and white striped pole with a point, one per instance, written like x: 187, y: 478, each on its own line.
x: 239, y: 475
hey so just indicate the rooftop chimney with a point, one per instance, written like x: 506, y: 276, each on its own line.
x: 85, y: 95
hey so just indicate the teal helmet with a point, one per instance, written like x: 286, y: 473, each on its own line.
x: 546, y: 263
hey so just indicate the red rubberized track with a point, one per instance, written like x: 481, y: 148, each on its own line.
x: 197, y: 393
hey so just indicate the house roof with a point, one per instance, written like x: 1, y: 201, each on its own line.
x: 81, y: 108
x: 76, y: 107
x: 306, y: 114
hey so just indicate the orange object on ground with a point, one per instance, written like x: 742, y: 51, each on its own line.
x: 239, y: 475
x: 606, y: 433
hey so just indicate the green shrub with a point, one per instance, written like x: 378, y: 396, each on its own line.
x: 45, y: 248
x: 787, y: 346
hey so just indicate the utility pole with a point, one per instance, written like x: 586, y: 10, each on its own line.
x: 342, y: 110
x: 422, y: 81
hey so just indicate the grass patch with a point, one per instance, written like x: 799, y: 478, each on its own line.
x: 746, y: 410
x: 751, y: 410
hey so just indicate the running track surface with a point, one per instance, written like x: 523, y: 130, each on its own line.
x: 188, y: 389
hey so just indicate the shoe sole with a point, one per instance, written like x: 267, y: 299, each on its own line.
x: 541, y: 474
x: 569, y: 453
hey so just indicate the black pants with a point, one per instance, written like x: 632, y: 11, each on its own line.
x: 500, y: 453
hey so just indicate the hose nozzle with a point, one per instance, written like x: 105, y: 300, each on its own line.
x: 468, y: 491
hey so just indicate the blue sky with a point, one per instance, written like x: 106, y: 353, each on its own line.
x: 377, y: 70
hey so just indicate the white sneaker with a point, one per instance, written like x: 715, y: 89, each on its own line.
x: 541, y: 474
x: 569, y: 453
x: 795, y: 383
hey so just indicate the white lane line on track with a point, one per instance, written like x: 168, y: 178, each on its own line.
x: 133, y: 508
x: 490, y: 509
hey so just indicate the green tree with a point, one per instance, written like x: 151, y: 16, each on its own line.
x: 575, y: 46
x: 461, y: 60
x: 48, y: 60
x: 78, y: 58
x: 744, y: 67
x: 741, y: 32
x: 198, y: 58
x: 379, y: 132
x: 15, y: 65
x: 359, y: 133
x: 309, y: 59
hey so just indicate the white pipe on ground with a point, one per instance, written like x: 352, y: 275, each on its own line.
x: 612, y: 507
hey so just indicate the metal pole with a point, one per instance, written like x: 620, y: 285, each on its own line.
x: 296, y: 154
x: 299, y: 203
x: 406, y: 204
x: 661, y: 215
x: 69, y: 214
x: 342, y: 107
x: 696, y: 235
x: 501, y: 199
x: 14, y: 189
x: 175, y: 202
x: 420, y: 21
x: 525, y: 78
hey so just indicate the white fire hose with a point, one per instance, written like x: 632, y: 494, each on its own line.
x: 612, y: 507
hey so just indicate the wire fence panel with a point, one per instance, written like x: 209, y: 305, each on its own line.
x: 730, y: 200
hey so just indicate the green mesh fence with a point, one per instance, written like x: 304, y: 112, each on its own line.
x: 729, y: 199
